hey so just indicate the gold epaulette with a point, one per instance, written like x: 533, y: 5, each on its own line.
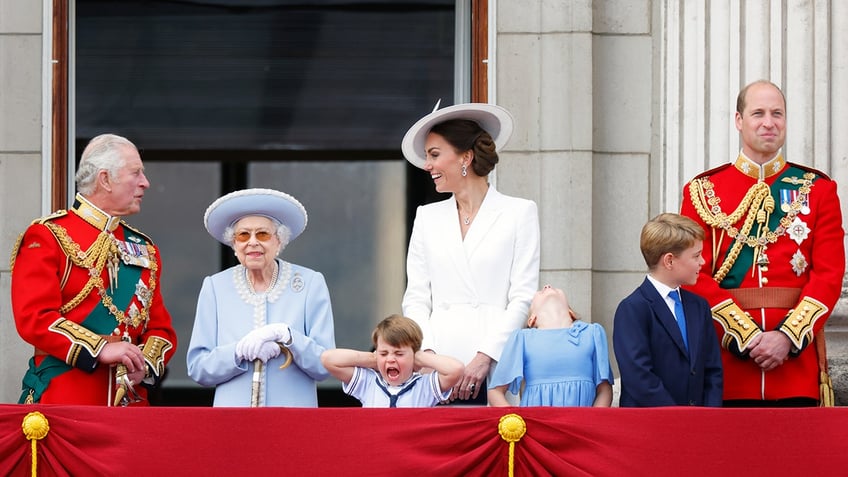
x: 820, y: 174
x: 15, y: 249
x: 55, y: 215
x: 739, y: 327
x: 80, y: 337
x: 798, y: 324
x: 712, y: 171
x: 41, y: 220
x: 154, y: 353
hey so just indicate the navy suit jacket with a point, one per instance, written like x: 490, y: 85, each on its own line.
x: 656, y: 369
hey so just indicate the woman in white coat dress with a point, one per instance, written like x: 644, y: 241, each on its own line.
x: 473, y: 260
x: 253, y: 317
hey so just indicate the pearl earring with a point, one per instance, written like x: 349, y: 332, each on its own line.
x: 464, y: 170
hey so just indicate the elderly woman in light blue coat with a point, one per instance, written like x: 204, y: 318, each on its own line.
x: 260, y: 326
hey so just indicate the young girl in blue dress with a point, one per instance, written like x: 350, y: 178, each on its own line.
x: 557, y: 361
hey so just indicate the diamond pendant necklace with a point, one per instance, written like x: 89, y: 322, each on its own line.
x: 466, y: 218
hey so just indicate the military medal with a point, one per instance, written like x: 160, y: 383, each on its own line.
x: 786, y: 200
x: 134, y: 254
x: 798, y: 230
x: 799, y: 263
x: 790, y: 198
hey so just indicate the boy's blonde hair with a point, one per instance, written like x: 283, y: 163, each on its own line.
x: 668, y: 233
x: 399, y: 331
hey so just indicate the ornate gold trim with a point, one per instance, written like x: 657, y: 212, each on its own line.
x: 738, y: 326
x: 80, y: 338
x: 798, y: 324
x: 757, y: 205
x: 104, y: 250
x: 154, y: 353
x: 752, y: 169
x: 94, y: 216
x: 42, y: 220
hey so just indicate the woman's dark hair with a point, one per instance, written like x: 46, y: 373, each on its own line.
x: 466, y: 135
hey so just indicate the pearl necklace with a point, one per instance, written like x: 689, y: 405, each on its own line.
x: 245, y: 289
x: 270, y: 284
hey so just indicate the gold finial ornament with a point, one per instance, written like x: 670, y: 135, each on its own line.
x: 35, y: 427
x: 512, y: 428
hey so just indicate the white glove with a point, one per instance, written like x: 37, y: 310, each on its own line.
x: 268, y: 351
x: 248, y: 347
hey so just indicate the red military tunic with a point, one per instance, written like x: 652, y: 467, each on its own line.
x: 61, y: 279
x: 785, y: 272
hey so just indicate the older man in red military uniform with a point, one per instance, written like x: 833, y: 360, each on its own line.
x: 85, y: 290
x: 774, y: 255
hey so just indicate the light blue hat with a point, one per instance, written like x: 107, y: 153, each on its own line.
x: 494, y: 119
x: 228, y: 209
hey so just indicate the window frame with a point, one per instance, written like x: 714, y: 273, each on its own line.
x: 62, y: 143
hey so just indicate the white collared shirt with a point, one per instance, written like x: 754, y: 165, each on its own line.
x: 664, y: 290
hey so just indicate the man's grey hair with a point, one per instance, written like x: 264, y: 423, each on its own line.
x: 103, y: 152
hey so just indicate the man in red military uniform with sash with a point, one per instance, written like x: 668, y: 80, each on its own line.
x: 775, y: 259
x: 85, y: 290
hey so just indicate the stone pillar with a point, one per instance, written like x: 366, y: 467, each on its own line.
x: 21, y: 191
x: 544, y: 71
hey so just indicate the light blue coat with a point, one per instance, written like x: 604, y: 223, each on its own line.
x: 227, y: 310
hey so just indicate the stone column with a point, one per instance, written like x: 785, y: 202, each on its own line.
x: 21, y: 190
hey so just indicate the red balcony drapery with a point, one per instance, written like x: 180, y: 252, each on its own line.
x: 451, y: 441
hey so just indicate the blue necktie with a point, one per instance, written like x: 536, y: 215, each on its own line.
x: 678, y: 314
x: 394, y: 397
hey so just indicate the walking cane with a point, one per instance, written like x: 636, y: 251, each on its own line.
x: 258, y: 368
x: 256, y: 385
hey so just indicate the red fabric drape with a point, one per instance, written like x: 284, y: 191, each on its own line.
x: 85, y: 440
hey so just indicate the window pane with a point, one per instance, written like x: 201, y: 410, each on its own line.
x: 185, y: 75
x: 172, y: 215
x: 356, y: 235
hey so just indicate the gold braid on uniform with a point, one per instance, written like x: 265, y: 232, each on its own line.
x: 739, y: 327
x: 757, y: 205
x: 80, y: 338
x: 798, y: 324
x: 154, y: 354
x: 42, y: 220
x: 15, y: 250
x: 94, y: 259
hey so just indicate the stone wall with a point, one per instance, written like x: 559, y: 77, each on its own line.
x: 21, y: 192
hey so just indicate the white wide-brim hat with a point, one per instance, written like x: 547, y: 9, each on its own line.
x: 228, y: 209
x: 494, y: 119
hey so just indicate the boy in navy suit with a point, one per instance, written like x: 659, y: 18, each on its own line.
x: 663, y: 337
